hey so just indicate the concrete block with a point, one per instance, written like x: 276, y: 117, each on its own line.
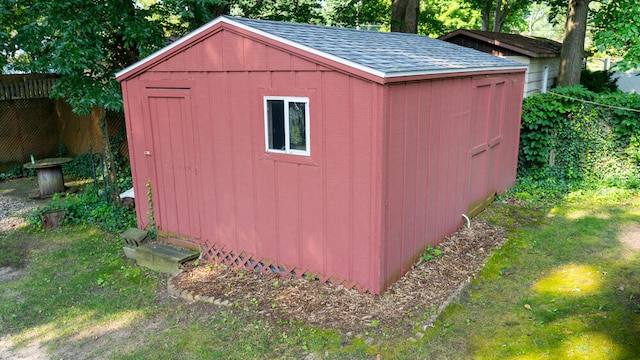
x: 135, y: 237
x: 163, y: 258
x: 129, y: 252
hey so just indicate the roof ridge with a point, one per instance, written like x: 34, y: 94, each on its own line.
x: 381, y: 54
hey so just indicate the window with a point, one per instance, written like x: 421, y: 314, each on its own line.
x: 287, y: 125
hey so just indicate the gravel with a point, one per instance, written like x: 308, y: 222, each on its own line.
x: 13, y: 213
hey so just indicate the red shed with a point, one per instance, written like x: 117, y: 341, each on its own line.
x: 335, y: 153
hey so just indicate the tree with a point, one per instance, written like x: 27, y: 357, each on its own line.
x: 498, y: 12
x: 404, y: 16
x: 440, y: 17
x: 355, y: 13
x: 302, y: 11
x: 85, y: 43
x: 618, y: 29
x: 572, y: 52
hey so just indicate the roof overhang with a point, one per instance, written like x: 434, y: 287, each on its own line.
x: 496, y: 42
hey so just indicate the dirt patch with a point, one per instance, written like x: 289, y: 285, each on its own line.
x: 8, y: 273
x: 416, y: 298
x: 32, y: 350
x: 630, y: 237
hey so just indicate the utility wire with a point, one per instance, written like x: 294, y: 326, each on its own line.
x: 593, y: 102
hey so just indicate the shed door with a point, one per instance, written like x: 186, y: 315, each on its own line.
x: 172, y: 162
x: 486, y: 135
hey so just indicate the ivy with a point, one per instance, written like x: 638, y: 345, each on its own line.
x: 89, y: 207
x: 596, y: 140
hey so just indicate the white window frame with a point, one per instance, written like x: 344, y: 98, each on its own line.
x: 288, y: 150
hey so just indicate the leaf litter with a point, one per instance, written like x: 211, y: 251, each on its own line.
x: 417, y: 298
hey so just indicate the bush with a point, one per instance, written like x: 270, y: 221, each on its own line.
x: 587, y: 142
x: 91, y: 207
x: 599, y: 81
x: 80, y: 168
x: 17, y: 172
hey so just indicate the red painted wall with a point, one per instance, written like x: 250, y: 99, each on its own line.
x: 390, y: 170
x: 449, y: 144
x: 212, y: 181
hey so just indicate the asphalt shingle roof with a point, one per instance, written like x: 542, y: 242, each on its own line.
x: 383, y: 54
x: 390, y: 53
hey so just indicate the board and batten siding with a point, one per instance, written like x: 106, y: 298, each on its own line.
x: 393, y: 165
x: 447, y: 149
x: 212, y: 180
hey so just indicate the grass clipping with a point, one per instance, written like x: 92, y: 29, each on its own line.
x: 413, y: 300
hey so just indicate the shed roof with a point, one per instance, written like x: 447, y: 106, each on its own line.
x: 530, y: 46
x: 382, y: 54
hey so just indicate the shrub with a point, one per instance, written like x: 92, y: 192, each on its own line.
x: 17, y: 172
x: 599, y: 81
x: 79, y: 168
x: 89, y: 207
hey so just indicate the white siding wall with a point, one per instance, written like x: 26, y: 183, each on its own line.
x: 534, y: 75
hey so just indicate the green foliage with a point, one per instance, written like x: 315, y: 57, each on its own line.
x: 352, y: 13
x: 510, y: 14
x: 617, y: 30
x: 84, y: 42
x: 431, y: 253
x: 153, y: 231
x: 89, y: 207
x: 587, y: 141
x: 539, y: 188
x: 598, y: 81
x: 437, y: 18
x: 302, y: 11
x: 17, y: 172
x: 62, y: 150
x: 79, y: 168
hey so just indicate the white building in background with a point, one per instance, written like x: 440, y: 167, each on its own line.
x: 541, y: 55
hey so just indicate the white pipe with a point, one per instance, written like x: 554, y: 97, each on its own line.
x: 468, y: 221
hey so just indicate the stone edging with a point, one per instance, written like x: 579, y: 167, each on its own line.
x: 190, y: 296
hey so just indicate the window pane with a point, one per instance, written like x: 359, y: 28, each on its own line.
x: 297, y: 129
x: 275, y: 110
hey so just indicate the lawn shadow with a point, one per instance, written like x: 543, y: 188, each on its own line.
x: 75, y: 292
x: 566, y: 285
x: 589, y: 299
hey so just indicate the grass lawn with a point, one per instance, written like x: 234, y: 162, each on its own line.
x: 565, y: 286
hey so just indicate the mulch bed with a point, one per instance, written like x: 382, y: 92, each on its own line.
x: 415, y: 299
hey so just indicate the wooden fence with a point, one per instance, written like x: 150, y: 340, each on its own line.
x: 28, y: 86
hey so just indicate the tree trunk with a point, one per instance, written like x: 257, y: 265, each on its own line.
x: 486, y: 15
x: 497, y: 17
x: 572, y: 52
x: 109, y: 163
x: 404, y: 16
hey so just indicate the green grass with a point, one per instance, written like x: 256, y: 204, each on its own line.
x: 78, y: 297
x: 563, y: 287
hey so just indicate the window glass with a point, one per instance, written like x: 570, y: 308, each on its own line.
x: 275, y: 111
x: 297, y: 131
x: 287, y: 125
